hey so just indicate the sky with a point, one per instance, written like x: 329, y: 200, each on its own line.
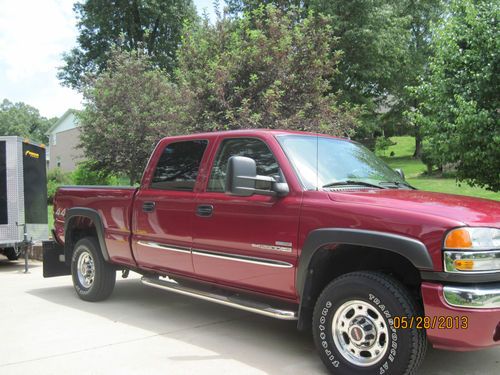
x: 33, y: 36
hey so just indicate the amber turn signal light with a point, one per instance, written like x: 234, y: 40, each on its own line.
x: 464, y: 264
x: 458, y: 239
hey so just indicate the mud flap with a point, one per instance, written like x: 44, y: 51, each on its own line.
x: 53, y: 260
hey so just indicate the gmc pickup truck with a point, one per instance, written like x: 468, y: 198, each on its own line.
x: 295, y: 226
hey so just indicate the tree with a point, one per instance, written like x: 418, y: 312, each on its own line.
x: 267, y: 69
x: 373, y: 37
x: 459, y: 101
x: 423, y: 15
x: 129, y: 107
x: 152, y: 25
x: 24, y: 121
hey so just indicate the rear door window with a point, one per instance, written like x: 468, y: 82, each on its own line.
x: 178, y: 166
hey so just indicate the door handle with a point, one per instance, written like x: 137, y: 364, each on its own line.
x: 148, y: 206
x: 204, y: 210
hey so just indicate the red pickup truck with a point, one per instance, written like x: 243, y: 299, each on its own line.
x: 295, y: 226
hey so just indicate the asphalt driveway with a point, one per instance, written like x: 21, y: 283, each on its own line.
x: 46, y: 329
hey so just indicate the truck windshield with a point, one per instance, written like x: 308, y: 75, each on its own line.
x: 323, y: 162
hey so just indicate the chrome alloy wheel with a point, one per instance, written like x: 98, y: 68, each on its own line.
x: 360, y: 333
x: 86, y: 269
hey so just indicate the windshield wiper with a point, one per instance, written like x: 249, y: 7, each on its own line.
x: 397, y: 183
x: 352, y: 182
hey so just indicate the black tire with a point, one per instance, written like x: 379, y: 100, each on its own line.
x: 381, y: 348
x: 91, y: 286
x: 11, y: 253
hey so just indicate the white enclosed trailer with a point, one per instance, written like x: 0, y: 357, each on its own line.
x: 23, y: 194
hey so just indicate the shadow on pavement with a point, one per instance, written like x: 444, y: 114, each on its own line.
x: 263, y: 343
x: 16, y: 265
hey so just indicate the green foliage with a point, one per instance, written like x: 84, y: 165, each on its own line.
x: 430, y: 158
x: 128, y: 109
x: 382, y: 144
x: 459, y: 99
x: 86, y: 173
x: 414, y: 169
x: 55, y: 178
x: 50, y: 213
x: 152, y: 25
x: 384, y: 46
x: 422, y: 15
x: 267, y: 69
x: 372, y: 36
x: 24, y: 121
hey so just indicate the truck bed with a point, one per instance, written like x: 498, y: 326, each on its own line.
x: 114, y: 205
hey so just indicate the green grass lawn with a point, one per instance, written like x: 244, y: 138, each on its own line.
x: 51, y: 216
x: 414, y: 169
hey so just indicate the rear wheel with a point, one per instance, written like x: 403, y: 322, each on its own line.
x: 354, y: 331
x: 93, y: 278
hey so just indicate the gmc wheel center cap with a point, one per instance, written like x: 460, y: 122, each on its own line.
x: 356, y: 333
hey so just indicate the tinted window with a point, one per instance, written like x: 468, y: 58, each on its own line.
x: 249, y: 147
x: 178, y: 166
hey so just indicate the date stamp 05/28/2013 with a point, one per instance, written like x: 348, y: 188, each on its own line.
x: 430, y: 322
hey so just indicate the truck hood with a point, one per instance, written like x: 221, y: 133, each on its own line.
x: 468, y: 210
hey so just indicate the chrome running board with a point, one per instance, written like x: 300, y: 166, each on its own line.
x: 223, y: 298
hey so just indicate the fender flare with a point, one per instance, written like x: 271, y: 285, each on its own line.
x: 94, y: 216
x: 413, y: 250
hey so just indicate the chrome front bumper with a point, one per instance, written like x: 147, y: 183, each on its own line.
x: 485, y: 296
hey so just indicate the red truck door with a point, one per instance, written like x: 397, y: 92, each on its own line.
x: 248, y: 242
x: 163, y: 209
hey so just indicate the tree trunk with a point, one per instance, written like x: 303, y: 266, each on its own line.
x: 418, y: 143
x: 132, y: 177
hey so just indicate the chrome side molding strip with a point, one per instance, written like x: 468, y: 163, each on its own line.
x: 165, y: 247
x: 243, y: 258
x: 239, y: 303
x: 213, y: 254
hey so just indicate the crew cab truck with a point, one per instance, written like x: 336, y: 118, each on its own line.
x: 295, y: 226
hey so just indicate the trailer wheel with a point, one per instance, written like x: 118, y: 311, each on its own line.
x: 354, y: 329
x: 93, y: 278
x: 11, y: 253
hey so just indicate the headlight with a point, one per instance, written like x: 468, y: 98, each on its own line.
x: 473, y: 239
x: 466, y: 255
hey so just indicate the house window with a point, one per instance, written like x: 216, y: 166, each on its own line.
x: 54, y: 139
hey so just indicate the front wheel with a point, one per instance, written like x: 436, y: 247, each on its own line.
x: 354, y: 331
x: 93, y: 278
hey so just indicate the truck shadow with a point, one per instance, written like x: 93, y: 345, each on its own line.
x: 263, y: 343
x: 273, y: 346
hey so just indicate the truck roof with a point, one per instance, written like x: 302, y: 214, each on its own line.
x: 249, y: 132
